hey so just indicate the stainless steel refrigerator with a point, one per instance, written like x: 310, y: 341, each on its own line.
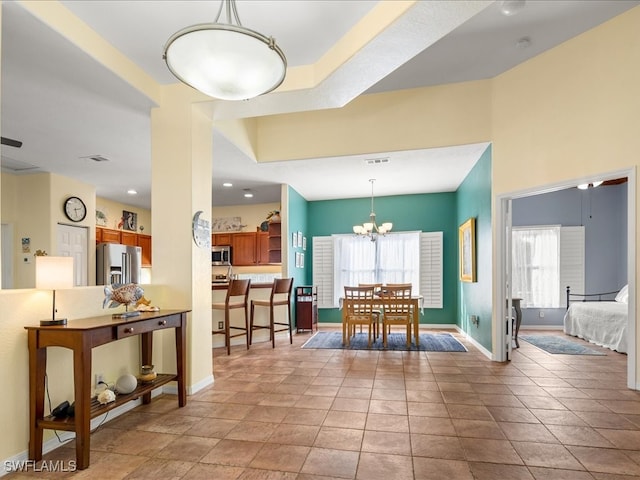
x: 117, y: 263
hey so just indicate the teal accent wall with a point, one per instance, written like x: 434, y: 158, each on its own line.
x: 426, y: 212
x: 474, y: 200
x: 297, y: 212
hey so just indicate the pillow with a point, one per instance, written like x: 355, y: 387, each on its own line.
x: 623, y: 295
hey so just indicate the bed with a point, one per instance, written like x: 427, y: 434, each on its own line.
x: 599, y: 318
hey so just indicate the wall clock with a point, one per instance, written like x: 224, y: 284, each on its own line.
x: 201, y: 230
x: 75, y: 209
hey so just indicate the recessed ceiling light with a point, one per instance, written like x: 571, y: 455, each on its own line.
x: 227, y: 184
x: 523, y: 42
x: 131, y: 191
x: 511, y: 7
x: 247, y: 193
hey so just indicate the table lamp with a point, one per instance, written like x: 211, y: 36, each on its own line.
x: 54, y: 273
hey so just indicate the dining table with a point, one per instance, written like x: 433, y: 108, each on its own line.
x: 378, y: 302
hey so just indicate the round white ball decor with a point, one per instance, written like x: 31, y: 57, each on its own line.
x: 126, y: 383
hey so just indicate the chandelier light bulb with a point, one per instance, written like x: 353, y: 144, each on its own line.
x: 371, y: 229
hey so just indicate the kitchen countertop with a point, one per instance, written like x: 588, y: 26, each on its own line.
x: 224, y: 286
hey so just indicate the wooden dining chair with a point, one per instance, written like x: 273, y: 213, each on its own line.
x: 396, y: 310
x: 358, y: 310
x: 237, y: 297
x: 377, y: 313
x: 280, y: 296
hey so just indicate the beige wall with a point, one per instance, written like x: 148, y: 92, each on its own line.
x: 251, y: 215
x: 33, y: 204
x: 570, y: 112
x: 113, y: 211
x: 456, y: 114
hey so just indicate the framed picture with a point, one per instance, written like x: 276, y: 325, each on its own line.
x: 302, y: 260
x: 129, y: 221
x: 467, y: 252
x: 294, y: 240
x: 297, y: 259
x: 304, y: 243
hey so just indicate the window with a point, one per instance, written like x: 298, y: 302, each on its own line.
x: 412, y: 257
x: 545, y: 259
x: 393, y: 258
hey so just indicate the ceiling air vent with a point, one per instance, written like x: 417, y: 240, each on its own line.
x: 376, y: 161
x: 95, y: 158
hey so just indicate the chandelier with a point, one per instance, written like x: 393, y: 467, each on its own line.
x: 371, y: 229
x: 226, y: 60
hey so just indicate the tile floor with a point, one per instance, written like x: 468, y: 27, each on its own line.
x: 293, y: 413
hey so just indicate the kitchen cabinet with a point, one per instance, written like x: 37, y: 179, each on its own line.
x: 107, y: 235
x: 250, y: 248
x: 221, y: 239
x: 129, y: 238
x: 244, y: 245
x: 263, y: 248
x: 275, y: 243
x: 144, y: 242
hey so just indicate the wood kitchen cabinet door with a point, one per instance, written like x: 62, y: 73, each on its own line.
x: 221, y: 239
x: 144, y: 241
x: 244, y: 248
x: 109, y: 236
x: 129, y: 238
x: 263, y: 248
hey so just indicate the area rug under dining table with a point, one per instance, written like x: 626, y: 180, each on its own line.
x: 429, y: 342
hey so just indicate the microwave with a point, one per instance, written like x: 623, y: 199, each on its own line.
x: 221, y: 255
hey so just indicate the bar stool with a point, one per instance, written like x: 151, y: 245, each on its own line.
x: 237, y: 297
x: 280, y: 288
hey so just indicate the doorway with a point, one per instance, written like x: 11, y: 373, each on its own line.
x: 502, y: 350
x: 72, y: 242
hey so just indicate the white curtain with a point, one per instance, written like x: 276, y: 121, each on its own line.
x: 536, y: 266
x: 394, y: 258
x: 399, y: 259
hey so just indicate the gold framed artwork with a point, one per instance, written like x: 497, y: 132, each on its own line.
x: 467, y: 250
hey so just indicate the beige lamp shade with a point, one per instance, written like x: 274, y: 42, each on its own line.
x: 54, y: 273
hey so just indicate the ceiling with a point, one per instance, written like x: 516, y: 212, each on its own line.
x: 67, y: 108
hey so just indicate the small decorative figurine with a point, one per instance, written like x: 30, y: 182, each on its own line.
x: 106, y: 396
x: 144, y: 305
x: 118, y: 294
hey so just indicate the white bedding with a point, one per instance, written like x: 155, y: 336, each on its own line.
x: 602, y: 323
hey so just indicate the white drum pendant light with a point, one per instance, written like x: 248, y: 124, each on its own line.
x: 226, y: 60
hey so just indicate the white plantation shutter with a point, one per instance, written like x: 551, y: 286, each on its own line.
x: 323, y: 270
x: 431, y: 270
x: 572, y: 256
x: 431, y: 252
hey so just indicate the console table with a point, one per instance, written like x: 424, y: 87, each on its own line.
x: 81, y: 336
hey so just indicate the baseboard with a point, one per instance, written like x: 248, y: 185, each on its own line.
x: 193, y: 389
x: 541, y: 327
x: 475, y: 343
x: 21, y: 462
